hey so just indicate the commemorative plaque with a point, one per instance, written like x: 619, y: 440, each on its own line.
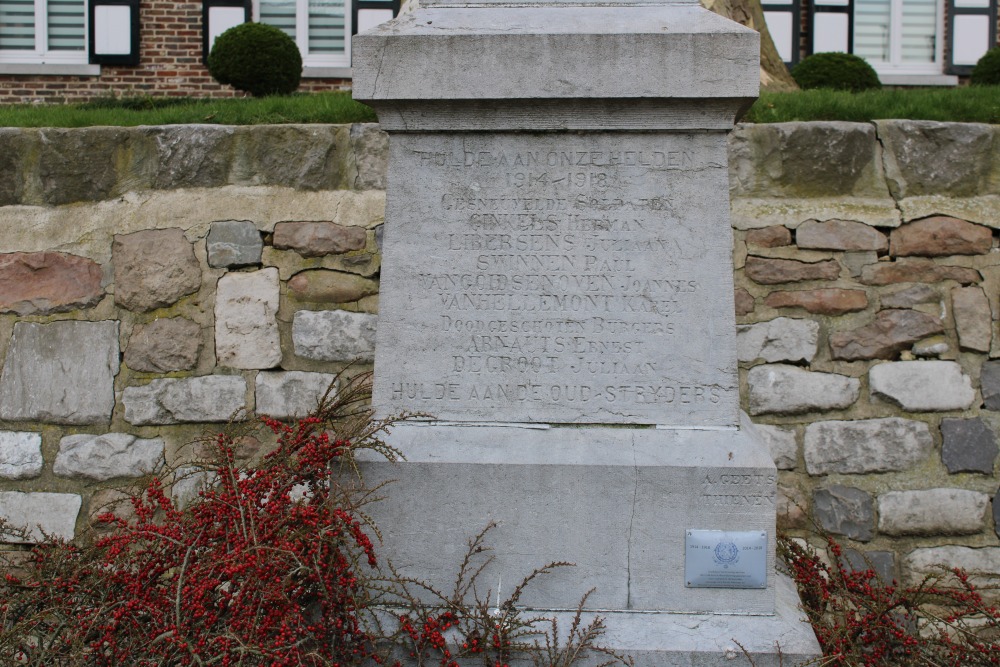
x: 725, y: 559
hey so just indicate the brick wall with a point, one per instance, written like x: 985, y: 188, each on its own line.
x: 170, y: 64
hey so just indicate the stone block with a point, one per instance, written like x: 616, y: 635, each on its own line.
x: 110, y: 501
x: 302, y: 157
x: 919, y: 386
x: 983, y: 564
x: 61, y: 372
x: 889, y: 333
x: 932, y: 512
x: 916, y: 271
x: 866, y: 445
x: 968, y: 445
x: 989, y: 382
x: 233, y: 243
x: 209, y: 398
x: 973, y: 318
x: 910, y: 296
x: 782, y: 445
x: 771, y: 271
x: 324, y: 286
x: 882, y: 563
x: 20, y: 455
x: 839, y: 235
x: 805, y: 160
x: 744, y: 301
x: 769, y: 237
x: 246, y: 320
x: 39, y: 283
x: 14, y: 143
x: 104, y: 457
x: 940, y: 236
x: 790, y: 511
x: 931, y: 158
x: 782, y: 389
x: 935, y: 346
x: 190, y: 156
x: 189, y: 482
x: 164, y: 345
x: 75, y: 165
x: 334, y: 335
x: 370, y: 148
x: 39, y: 514
x: 844, y: 510
x: 831, y: 301
x: 153, y: 268
x: 780, y: 339
x: 315, y: 239
x: 290, y: 394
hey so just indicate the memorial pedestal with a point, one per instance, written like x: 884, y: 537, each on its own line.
x: 557, y: 292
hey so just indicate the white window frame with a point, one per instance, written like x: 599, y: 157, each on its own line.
x: 895, y: 64
x: 41, y: 55
x: 323, y: 64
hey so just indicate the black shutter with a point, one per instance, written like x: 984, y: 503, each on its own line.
x: 970, y: 29
x: 206, y: 20
x: 97, y: 53
x: 818, y: 32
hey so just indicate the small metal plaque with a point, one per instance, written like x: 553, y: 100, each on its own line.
x: 724, y: 559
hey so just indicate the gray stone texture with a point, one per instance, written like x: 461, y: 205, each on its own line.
x: 882, y: 563
x: 799, y: 160
x: 290, y: 394
x: 189, y: 482
x: 989, y: 381
x: 996, y: 512
x: 334, y: 335
x: 940, y: 236
x: 40, y: 515
x: 839, y: 235
x: 782, y: 445
x: 983, y: 564
x: 919, y: 386
x: 935, y: 346
x: 771, y: 271
x: 931, y: 158
x: 889, y: 333
x: 305, y: 157
x: 968, y: 445
x: 153, y: 268
x: 104, y: 457
x: 845, y: 510
x: 315, y: 239
x: 39, y: 283
x: 62, y: 372
x: 80, y: 166
x: 14, y: 142
x: 916, y: 271
x: 209, y: 398
x: 370, y: 150
x: 973, y: 319
x: 20, y: 454
x: 233, y: 243
x: 866, y: 445
x: 780, y: 339
x: 829, y: 301
x: 908, y: 297
x: 188, y: 156
x: 783, y: 389
x: 246, y: 320
x: 164, y: 345
x: 932, y: 512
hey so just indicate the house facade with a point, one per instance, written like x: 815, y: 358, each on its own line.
x: 908, y: 42
x: 55, y: 50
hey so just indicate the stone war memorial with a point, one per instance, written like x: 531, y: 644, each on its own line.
x: 557, y: 297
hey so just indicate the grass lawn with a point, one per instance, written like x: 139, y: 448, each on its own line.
x: 968, y: 104
x: 334, y: 107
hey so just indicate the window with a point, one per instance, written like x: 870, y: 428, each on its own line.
x: 899, y: 36
x: 323, y: 28
x: 43, y: 32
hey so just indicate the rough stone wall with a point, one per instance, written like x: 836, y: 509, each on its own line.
x: 155, y: 280
x: 867, y: 282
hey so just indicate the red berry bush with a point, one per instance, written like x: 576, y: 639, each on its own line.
x: 861, y: 620
x: 273, y: 564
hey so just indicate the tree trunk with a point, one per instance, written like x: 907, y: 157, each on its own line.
x: 774, y: 75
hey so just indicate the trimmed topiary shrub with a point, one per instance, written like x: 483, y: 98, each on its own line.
x: 839, y: 71
x: 256, y: 58
x: 987, y: 70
